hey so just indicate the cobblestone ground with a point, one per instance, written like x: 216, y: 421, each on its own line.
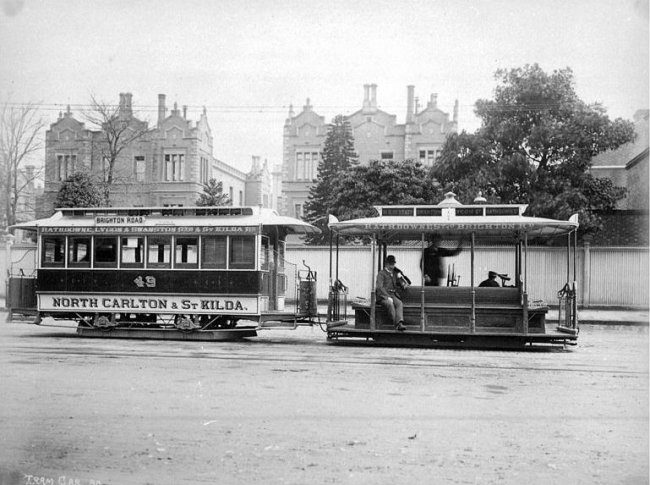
x: 287, y: 407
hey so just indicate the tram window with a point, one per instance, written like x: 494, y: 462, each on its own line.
x: 242, y: 252
x: 159, y: 252
x: 213, y: 252
x: 133, y: 252
x: 53, y: 251
x: 79, y: 252
x: 187, y: 252
x: 106, y: 252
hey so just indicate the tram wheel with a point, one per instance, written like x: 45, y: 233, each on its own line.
x: 105, y: 322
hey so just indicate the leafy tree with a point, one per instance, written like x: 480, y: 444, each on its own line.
x: 80, y: 190
x: 535, y: 146
x: 382, y: 183
x: 337, y: 157
x: 212, y: 195
x: 19, y: 140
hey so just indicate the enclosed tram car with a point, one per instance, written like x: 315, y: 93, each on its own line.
x: 190, y: 273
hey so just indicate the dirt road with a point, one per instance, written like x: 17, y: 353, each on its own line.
x: 289, y: 408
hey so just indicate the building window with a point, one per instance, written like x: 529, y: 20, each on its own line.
x: 231, y: 195
x: 205, y: 171
x: 241, y: 198
x: 65, y: 165
x: 388, y: 156
x: 306, y: 165
x: 298, y: 211
x: 428, y: 156
x: 138, y: 168
x: 174, y: 167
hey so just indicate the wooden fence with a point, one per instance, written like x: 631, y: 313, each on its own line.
x: 606, y: 276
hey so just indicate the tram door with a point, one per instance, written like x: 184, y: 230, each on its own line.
x: 272, y: 263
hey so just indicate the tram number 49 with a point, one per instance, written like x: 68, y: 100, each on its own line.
x: 148, y: 281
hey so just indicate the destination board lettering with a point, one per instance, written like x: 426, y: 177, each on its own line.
x: 149, y: 303
x: 426, y: 227
x: 150, y: 230
x: 119, y: 220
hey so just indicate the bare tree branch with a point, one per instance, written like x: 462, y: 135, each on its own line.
x: 20, y: 129
x: 119, y: 129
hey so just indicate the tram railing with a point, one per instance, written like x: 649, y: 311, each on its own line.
x: 568, y: 308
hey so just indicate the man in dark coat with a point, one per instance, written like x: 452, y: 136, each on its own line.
x: 387, y: 290
x: 434, y: 270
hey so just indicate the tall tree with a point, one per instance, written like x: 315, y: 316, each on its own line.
x: 119, y: 130
x: 535, y: 146
x: 337, y: 157
x: 20, y: 128
x: 212, y: 195
x: 80, y: 190
x: 380, y: 183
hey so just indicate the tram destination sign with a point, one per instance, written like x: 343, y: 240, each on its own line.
x: 126, y: 229
x: 149, y: 303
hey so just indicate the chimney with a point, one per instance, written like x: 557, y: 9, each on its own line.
x: 410, y: 92
x: 185, y: 111
x: 456, y: 112
x: 366, y: 95
x: 433, y: 103
x: 128, y: 109
x: 122, y: 106
x: 373, y: 95
x: 162, y: 111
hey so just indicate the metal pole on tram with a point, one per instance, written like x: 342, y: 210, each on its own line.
x: 472, y: 321
x: 422, y: 318
x: 373, y: 297
x: 525, y: 302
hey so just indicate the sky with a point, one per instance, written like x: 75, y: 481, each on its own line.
x: 246, y: 61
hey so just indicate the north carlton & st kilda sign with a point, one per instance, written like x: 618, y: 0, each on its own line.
x: 148, y: 304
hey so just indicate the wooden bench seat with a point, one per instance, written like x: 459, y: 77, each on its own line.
x: 496, y: 309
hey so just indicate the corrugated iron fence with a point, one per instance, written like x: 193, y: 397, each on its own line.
x: 607, y: 276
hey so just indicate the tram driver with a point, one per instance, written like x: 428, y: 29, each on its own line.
x: 491, y: 281
x: 387, y: 290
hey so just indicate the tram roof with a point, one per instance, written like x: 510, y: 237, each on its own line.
x: 169, y: 217
x: 453, y: 219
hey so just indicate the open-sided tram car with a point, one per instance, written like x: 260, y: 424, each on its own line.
x: 186, y: 272
x: 456, y: 315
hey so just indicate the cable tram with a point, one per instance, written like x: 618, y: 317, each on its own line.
x: 462, y: 313
x: 195, y: 273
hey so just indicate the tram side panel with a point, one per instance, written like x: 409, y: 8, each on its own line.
x: 68, y: 293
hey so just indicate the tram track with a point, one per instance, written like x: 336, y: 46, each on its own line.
x: 328, y: 358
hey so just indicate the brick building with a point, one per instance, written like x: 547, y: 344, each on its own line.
x: 377, y: 136
x: 627, y: 167
x: 165, y: 167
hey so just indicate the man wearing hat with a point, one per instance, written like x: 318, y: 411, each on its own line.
x: 491, y: 281
x: 388, y: 294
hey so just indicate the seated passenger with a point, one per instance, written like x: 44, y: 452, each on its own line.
x: 387, y: 291
x: 491, y: 281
